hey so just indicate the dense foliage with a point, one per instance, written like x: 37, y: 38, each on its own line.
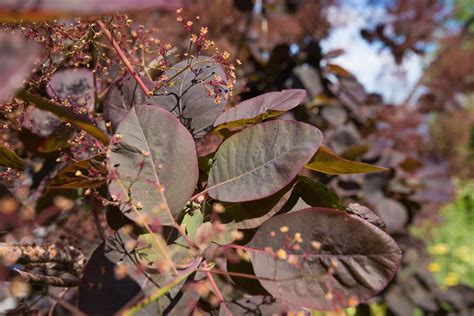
x: 134, y: 180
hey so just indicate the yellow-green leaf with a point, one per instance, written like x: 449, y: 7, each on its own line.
x: 76, y: 175
x: 326, y: 161
x: 9, y: 159
x: 65, y: 114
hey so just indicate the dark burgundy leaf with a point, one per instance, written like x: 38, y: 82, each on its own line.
x: 339, y: 258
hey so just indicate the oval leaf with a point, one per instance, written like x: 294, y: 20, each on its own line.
x: 156, y: 161
x: 261, y: 160
x: 122, y: 96
x: 326, y: 161
x: 339, y: 258
x: 275, y: 103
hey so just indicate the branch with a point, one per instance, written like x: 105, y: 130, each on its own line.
x: 124, y: 58
x: 72, y: 258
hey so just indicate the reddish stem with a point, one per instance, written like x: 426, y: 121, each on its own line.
x: 123, y: 57
x: 214, y: 286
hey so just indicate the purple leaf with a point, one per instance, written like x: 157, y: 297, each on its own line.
x: 155, y: 161
x: 261, y: 160
x: 278, y: 102
x: 16, y: 62
x: 340, y: 257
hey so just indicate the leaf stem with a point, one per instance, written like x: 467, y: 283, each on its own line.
x: 214, y: 286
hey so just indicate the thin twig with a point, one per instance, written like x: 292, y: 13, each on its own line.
x: 214, y: 286
x: 124, y: 58
x: 74, y: 310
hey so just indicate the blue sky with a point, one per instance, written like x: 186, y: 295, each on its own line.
x: 374, y: 67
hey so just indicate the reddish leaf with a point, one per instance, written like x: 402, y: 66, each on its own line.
x: 340, y: 258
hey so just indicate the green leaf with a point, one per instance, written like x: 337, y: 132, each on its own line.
x: 337, y: 253
x: 66, y: 115
x: 313, y: 193
x: 155, y: 163
x: 9, y: 159
x: 261, y: 160
x: 326, y: 161
x: 88, y: 173
x: 191, y: 222
x: 152, y: 250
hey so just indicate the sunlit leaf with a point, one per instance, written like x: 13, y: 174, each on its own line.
x: 326, y: 161
x: 155, y: 162
x: 339, y: 258
x: 261, y: 160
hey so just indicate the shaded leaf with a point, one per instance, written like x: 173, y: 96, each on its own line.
x: 10, y: 159
x: 17, y: 56
x: 65, y: 114
x: 259, y: 305
x: 326, y: 161
x: 152, y: 143
x: 271, y: 104
x: 102, y: 291
x: 261, y: 160
x: 88, y: 173
x: 58, y: 139
x: 49, y: 9
x: 113, y: 278
x: 339, y: 254
x: 249, y: 285
x: 252, y: 214
x: 313, y: 193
